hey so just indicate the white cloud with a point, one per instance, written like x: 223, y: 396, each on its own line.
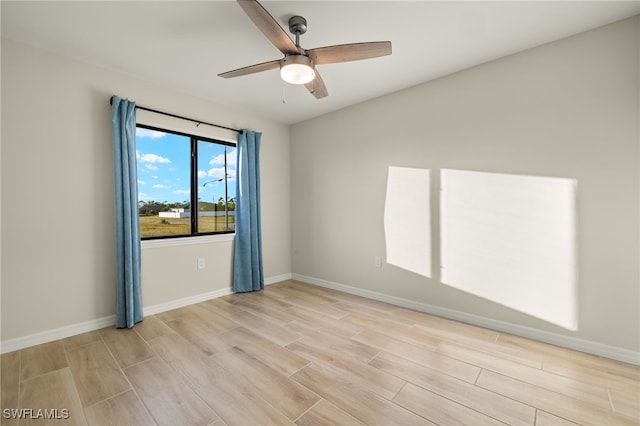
x: 159, y: 186
x: 181, y: 192
x: 142, y: 196
x: 218, y: 173
x: 218, y: 160
x: 201, y: 174
x: 154, y: 177
x: 141, y: 182
x: 151, y: 158
x: 148, y: 133
x: 151, y: 167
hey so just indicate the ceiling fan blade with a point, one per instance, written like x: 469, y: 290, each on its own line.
x: 268, y: 25
x: 349, y: 52
x: 251, y: 69
x: 316, y: 87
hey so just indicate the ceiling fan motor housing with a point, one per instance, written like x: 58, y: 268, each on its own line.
x: 297, y: 25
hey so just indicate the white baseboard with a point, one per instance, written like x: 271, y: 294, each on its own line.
x: 278, y: 278
x: 55, y: 334
x: 186, y: 301
x: 96, y: 324
x: 595, y: 348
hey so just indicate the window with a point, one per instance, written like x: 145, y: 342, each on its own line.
x: 179, y: 174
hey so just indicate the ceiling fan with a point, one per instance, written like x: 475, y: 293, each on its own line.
x: 298, y: 66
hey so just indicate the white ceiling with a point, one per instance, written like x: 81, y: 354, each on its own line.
x: 183, y: 45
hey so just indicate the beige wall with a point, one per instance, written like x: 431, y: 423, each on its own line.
x: 58, y: 250
x: 566, y: 109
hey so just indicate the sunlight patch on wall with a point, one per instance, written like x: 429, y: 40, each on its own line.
x: 407, y: 220
x: 512, y: 239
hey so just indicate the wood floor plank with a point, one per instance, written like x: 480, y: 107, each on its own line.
x: 358, y: 374
x: 81, y: 339
x: 263, y: 310
x: 169, y: 400
x: 325, y: 413
x: 383, y: 324
x: 126, y: 345
x: 366, y: 406
x: 42, y: 359
x: 348, y: 299
x: 123, y: 409
x: 269, y: 330
x: 307, y: 301
x: 475, y: 337
x: 152, y: 327
x: 418, y: 336
x: 375, y: 305
x: 373, y: 311
x: 545, y: 419
x: 285, y: 395
x: 199, y: 334
x: 264, y: 299
x: 294, y: 291
x: 403, y: 330
x: 96, y: 373
x: 420, y: 355
x: 175, y: 314
x: 54, y: 390
x: 260, y: 301
x: 9, y: 383
x: 581, y: 366
x: 272, y: 354
x: 216, y: 322
x: 494, y: 405
x: 440, y: 410
x: 222, y: 307
x: 626, y: 402
x: 553, y: 354
x: 185, y: 358
x: 552, y: 402
x: 557, y: 383
x: 604, y: 373
x: 447, y: 329
x: 356, y: 350
x: 237, y: 404
x: 324, y: 323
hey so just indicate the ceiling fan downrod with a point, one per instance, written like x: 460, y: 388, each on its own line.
x: 297, y: 27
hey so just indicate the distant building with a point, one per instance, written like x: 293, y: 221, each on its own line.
x: 176, y: 213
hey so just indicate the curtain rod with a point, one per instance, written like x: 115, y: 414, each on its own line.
x: 198, y: 122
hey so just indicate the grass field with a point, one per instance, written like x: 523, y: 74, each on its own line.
x: 154, y: 226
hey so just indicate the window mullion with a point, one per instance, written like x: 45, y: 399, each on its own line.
x: 194, y: 186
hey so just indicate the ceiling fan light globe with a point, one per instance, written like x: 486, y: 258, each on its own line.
x: 297, y: 69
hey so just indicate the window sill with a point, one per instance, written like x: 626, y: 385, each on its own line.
x: 186, y: 241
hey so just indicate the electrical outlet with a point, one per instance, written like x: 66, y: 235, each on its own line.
x: 202, y: 263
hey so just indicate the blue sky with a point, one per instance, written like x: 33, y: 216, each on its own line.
x: 163, y: 168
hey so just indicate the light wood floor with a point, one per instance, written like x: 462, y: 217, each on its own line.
x: 296, y: 353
